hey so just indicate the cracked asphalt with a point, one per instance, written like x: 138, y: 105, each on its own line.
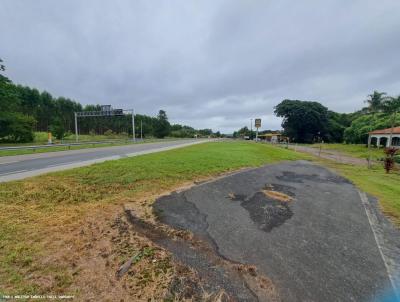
x: 318, y: 246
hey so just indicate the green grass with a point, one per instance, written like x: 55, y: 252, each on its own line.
x: 360, y: 151
x: 38, y: 211
x: 37, y: 214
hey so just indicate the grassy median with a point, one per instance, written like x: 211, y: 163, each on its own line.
x: 56, y: 230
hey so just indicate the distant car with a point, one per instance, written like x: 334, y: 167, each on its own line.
x: 246, y: 137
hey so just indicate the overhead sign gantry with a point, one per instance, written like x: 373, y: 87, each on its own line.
x: 106, y: 110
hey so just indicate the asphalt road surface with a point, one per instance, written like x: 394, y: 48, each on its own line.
x: 318, y: 239
x: 22, y: 166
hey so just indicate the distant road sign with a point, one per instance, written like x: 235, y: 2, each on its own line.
x: 257, y: 123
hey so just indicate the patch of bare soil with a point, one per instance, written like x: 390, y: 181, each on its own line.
x: 212, y: 277
x: 91, y: 255
x: 103, y: 257
x: 276, y: 195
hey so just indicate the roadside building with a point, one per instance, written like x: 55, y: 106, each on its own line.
x: 272, y: 137
x: 382, y: 137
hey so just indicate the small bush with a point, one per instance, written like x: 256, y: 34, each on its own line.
x: 109, y: 132
x: 389, y: 159
x: 16, y: 128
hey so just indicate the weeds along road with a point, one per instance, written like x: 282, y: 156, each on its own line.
x: 22, y: 166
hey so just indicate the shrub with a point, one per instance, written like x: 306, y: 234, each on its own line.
x: 109, y: 132
x: 389, y: 159
x: 16, y: 128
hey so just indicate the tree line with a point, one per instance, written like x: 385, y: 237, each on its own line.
x: 24, y: 110
x: 308, y: 122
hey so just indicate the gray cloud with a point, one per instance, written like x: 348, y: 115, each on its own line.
x: 208, y: 63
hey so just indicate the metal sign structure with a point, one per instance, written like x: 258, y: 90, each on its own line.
x: 257, y: 124
x: 106, y: 110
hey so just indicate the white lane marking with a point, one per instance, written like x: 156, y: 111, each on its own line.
x: 54, y: 168
x: 61, y: 164
x: 13, y: 172
x: 378, y: 240
x: 9, y: 162
x: 25, y: 173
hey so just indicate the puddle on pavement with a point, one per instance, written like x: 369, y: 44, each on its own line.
x: 268, y: 208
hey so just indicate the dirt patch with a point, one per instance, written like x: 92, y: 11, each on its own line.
x: 279, y: 196
x: 91, y: 255
x: 213, y: 276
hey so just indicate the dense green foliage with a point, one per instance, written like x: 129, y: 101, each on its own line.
x: 307, y: 122
x: 304, y: 122
x: 14, y: 125
x: 24, y: 110
x: 162, y: 126
x: 243, y: 132
x: 381, y: 113
x: 357, y: 133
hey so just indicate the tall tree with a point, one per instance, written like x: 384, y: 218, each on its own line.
x: 303, y: 121
x: 14, y: 125
x: 375, y: 101
x: 162, y: 126
x: 2, y: 67
x: 41, y: 111
x: 391, y: 106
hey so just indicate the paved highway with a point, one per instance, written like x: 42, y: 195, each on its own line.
x: 22, y: 166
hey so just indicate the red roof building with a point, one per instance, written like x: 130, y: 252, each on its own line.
x: 382, y: 137
x: 396, y: 130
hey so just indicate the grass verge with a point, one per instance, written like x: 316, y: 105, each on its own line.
x: 58, y: 233
x: 354, y: 150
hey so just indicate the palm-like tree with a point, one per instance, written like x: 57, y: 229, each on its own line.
x: 391, y: 106
x: 375, y: 101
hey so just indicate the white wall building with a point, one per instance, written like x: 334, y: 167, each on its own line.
x: 382, y: 137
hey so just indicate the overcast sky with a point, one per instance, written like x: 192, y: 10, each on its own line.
x: 213, y: 64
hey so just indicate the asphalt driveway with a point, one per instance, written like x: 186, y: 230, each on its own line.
x: 301, y: 225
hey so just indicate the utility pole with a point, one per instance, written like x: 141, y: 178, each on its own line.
x: 133, y: 126
x: 76, y: 127
x: 141, y: 130
x: 251, y: 129
x: 257, y: 124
